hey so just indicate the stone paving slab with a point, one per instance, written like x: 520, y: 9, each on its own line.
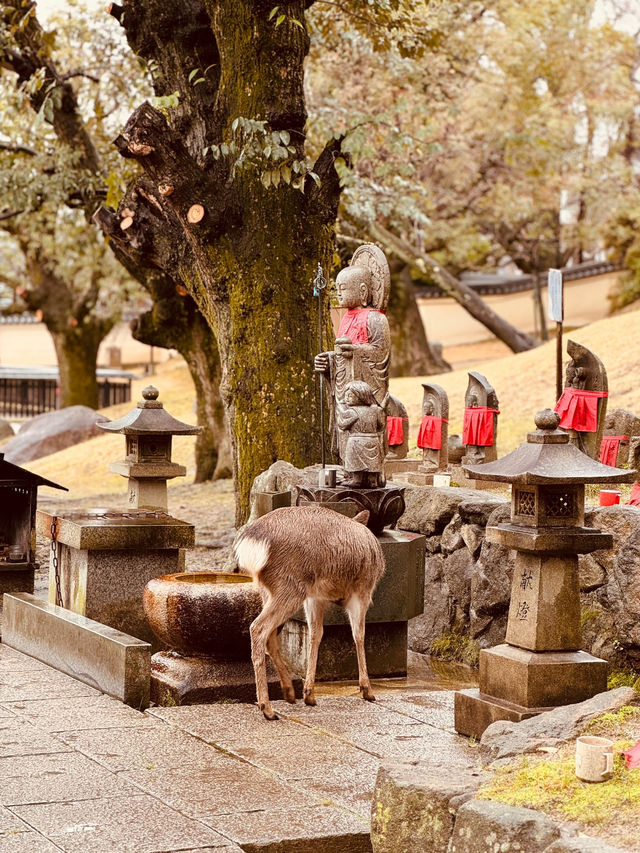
x: 55, y: 778
x: 18, y: 737
x: 130, y: 824
x: 39, y: 684
x: 75, y: 714
x: 83, y: 773
x: 155, y: 747
x: 27, y: 842
x: 228, y: 787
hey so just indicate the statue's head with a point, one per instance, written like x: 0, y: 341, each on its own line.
x: 428, y: 407
x: 358, y: 393
x: 354, y: 287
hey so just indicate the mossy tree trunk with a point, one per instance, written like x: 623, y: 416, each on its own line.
x: 249, y: 260
x: 77, y: 354
x: 411, y: 353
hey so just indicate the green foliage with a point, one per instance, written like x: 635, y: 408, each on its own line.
x: 625, y: 678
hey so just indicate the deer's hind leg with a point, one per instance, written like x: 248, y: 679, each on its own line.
x: 357, y: 611
x: 277, y: 609
x: 273, y: 647
x: 314, y: 609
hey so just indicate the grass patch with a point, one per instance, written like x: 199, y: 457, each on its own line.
x: 451, y: 646
x: 625, y: 678
x: 549, y: 784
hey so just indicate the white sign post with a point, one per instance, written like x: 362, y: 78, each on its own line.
x: 556, y: 314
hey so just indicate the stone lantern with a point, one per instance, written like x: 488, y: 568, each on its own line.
x: 148, y: 430
x: 540, y: 665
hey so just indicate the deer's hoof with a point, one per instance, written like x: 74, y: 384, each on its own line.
x: 309, y: 698
x: 289, y: 695
x: 268, y: 713
x: 367, y: 695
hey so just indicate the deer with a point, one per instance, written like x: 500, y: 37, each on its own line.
x: 312, y: 556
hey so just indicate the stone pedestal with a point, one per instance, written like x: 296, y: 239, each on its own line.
x: 398, y: 597
x: 198, y: 680
x: 106, y: 558
x: 393, y: 467
x: 267, y: 501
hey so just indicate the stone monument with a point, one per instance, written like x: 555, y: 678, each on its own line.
x: 480, y: 424
x: 620, y: 427
x: 583, y: 404
x: 103, y: 558
x: 357, y: 379
x: 433, y: 435
x: 540, y: 665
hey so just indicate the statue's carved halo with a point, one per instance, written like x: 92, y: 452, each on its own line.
x: 371, y: 258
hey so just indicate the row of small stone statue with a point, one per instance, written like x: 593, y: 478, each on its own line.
x: 479, y: 428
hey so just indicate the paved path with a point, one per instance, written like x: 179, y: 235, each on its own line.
x: 83, y: 773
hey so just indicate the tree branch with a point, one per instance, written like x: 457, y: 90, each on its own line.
x: 18, y: 149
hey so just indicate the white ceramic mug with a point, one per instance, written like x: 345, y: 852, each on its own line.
x: 594, y: 758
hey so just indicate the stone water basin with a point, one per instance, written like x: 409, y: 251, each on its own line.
x: 203, y: 613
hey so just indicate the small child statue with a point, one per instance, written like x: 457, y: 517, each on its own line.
x: 364, y: 423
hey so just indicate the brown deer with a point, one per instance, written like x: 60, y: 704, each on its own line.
x: 308, y: 555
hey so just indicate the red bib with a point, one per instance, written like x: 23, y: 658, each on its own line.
x: 477, y: 426
x: 430, y: 432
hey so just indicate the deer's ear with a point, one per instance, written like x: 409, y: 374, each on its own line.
x: 362, y: 517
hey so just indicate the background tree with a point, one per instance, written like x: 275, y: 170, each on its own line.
x: 80, y: 86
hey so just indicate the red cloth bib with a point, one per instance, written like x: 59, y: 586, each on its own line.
x: 395, y: 431
x: 609, y: 448
x: 634, y: 500
x: 578, y: 410
x: 477, y: 426
x: 430, y: 432
x: 354, y: 325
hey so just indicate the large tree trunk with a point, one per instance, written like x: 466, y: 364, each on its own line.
x: 77, y: 354
x: 248, y: 262
x: 515, y: 339
x: 411, y: 352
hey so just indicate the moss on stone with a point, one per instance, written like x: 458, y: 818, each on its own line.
x: 624, y: 678
x: 550, y: 785
x: 451, y: 646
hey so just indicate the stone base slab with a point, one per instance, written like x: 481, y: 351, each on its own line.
x: 540, y: 679
x: 400, y: 466
x: 474, y: 711
x: 199, y: 680
x: 385, y: 646
x: 95, y: 654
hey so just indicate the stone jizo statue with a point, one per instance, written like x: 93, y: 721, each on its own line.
x: 362, y: 347
x: 362, y: 421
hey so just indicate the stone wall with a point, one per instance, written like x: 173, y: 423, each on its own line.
x: 468, y: 580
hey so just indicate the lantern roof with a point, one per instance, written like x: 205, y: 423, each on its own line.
x: 149, y: 418
x: 548, y: 457
x: 9, y: 471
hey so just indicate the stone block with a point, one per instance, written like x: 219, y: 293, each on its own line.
x: 103, y: 530
x: 401, y: 466
x: 414, y: 806
x: 553, y: 728
x: 107, y: 585
x: 198, y: 680
x: 482, y: 826
x: 385, y: 646
x: 544, y: 614
x: 474, y: 712
x: 95, y: 654
x: 267, y: 501
x: 540, y: 679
